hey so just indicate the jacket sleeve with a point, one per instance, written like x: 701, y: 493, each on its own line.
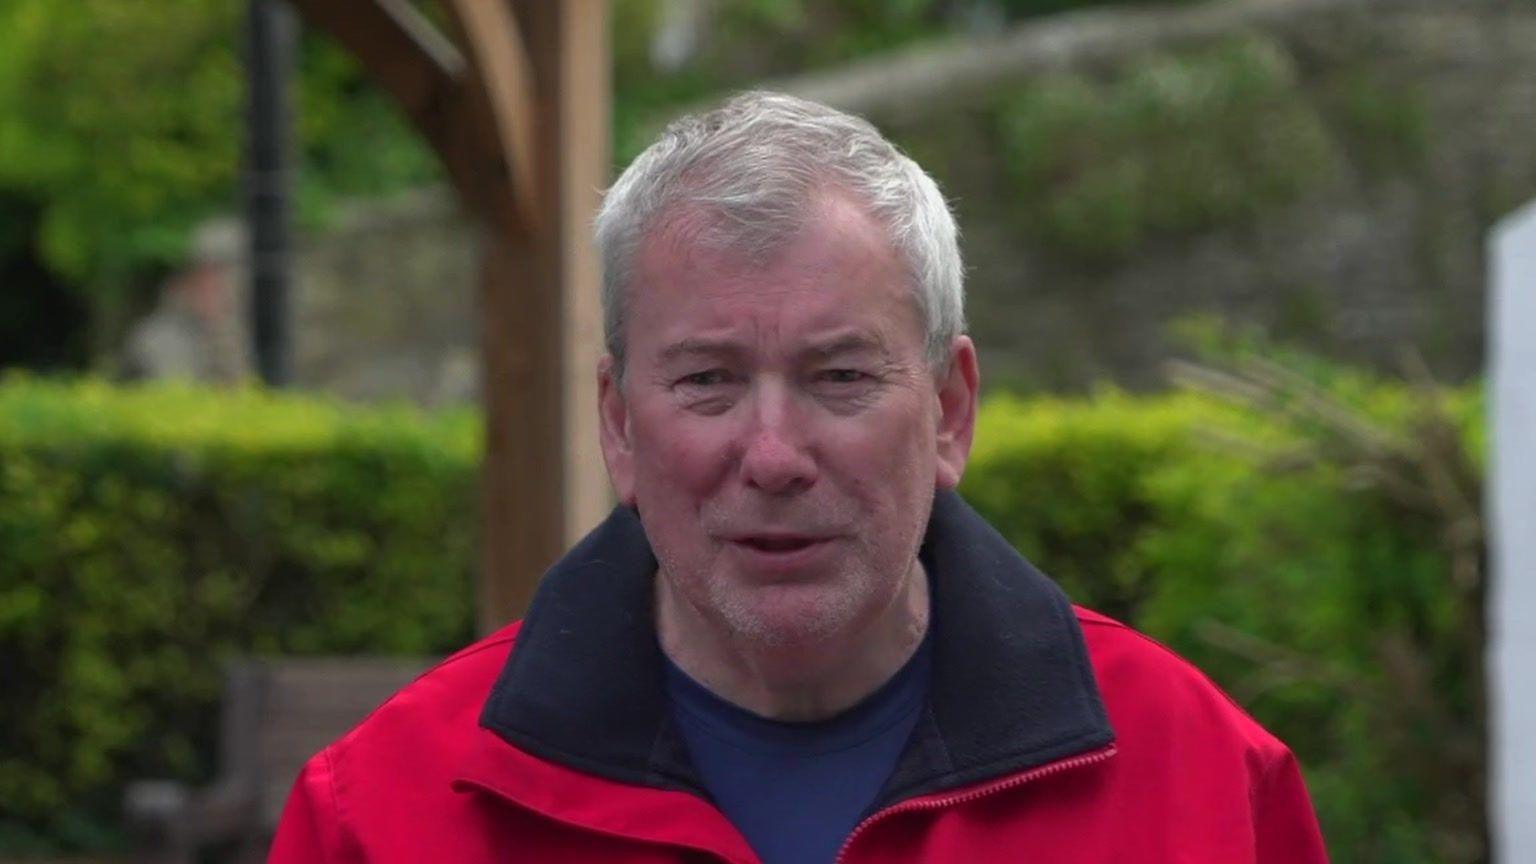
x: 310, y: 830
x: 1286, y: 825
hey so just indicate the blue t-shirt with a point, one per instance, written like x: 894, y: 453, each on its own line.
x: 796, y: 790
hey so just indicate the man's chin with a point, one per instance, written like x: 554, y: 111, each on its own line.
x: 790, y: 614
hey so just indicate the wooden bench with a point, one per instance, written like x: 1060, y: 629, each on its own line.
x: 276, y: 714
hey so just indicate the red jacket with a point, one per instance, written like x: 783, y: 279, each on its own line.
x: 1052, y: 734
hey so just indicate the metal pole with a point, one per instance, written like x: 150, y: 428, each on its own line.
x: 270, y: 33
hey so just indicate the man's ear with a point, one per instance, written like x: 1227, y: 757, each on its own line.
x: 613, y: 432
x: 958, y: 391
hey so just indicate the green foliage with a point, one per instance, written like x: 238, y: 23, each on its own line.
x: 147, y: 535
x: 123, y: 124
x: 1305, y: 534
x: 1063, y: 480
x: 799, y: 34
x: 774, y: 37
x: 746, y: 42
x: 354, y: 141
x: 1386, y: 127
x: 1170, y: 146
x: 1033, y: 8
x: 749, y: 41
x: 1291, y: 539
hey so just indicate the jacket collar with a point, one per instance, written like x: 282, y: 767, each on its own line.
x: 1012, y: 685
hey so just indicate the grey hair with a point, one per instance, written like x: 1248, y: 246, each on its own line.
x: 751, y: 167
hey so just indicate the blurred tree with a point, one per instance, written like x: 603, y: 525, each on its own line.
x: 42, y: 322
x: 117, y: 126
x: 120, y: 129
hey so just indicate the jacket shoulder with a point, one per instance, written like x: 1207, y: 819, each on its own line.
x: 395, y: 765
x: 1185, y: 746
x: 1148, y: 687
x: 440, y: 699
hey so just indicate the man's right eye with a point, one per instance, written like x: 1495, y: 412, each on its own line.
x: 711, y: 378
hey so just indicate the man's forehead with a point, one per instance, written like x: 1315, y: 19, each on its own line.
x: 689, y: 231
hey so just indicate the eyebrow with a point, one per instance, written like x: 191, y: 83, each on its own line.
x: 693, y: 347
x: 846, y: 343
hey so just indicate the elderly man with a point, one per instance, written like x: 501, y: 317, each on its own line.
x: 792, y: 641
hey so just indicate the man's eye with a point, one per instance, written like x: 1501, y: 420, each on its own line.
x: 842, y: 376
x: 711, y: 378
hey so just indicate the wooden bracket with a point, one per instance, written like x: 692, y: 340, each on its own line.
x: 501, y: 76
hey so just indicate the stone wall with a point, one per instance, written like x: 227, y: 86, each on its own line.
x: 384, y: 304
x: 1425, y: 113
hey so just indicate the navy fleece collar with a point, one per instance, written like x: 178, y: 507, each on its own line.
x: 1012, y: 686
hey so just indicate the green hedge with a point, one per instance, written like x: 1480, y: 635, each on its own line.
x: 145, y: 534
x: 1298, y: 555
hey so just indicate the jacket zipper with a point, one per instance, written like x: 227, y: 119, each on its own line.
x: 936, y: 802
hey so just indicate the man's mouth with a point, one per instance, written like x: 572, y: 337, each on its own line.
x: 781, y: 548
x: 778, y: 544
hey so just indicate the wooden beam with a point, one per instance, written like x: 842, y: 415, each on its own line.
x: 500, y: 71
x: 545, y: 483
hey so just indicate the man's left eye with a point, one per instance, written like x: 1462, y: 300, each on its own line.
x: 842, y: 376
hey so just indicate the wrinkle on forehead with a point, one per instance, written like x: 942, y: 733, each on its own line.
x: 688, y: 230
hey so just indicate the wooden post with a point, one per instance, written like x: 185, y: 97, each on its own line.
x: 586, y: 142
x: 544, y: 481
x: 517, y: 108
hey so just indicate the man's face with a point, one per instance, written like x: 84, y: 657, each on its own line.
x: 779, y: 429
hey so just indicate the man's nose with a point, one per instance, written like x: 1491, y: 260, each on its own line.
x: 775, y: 456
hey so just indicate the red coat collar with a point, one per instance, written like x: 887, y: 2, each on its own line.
x: 1012, y: 685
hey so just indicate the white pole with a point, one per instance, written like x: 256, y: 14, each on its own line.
x: 1512, y: 505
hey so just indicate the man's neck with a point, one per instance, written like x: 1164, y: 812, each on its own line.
x: 801, y: 682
